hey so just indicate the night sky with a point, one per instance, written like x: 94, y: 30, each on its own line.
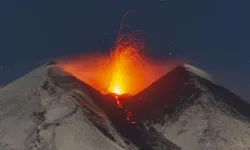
x: 212, y: 35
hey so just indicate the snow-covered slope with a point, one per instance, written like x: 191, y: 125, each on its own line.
x: 193, y: 112
x: 36, y: 113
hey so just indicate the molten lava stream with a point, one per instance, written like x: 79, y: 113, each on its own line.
x: 129, y: 116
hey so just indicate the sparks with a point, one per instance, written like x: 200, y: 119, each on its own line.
x: 125, y: 58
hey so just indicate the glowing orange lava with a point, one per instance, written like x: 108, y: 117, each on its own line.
x: 125, y: 70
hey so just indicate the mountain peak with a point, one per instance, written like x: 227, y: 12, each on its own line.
x: 186, y: 104
x: 199, y: 72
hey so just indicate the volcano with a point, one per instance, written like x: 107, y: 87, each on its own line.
x: 51, y: 109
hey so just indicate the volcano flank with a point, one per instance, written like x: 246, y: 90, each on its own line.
x: 52, y: 109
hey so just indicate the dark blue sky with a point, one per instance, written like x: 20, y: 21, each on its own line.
x: 214, y: 35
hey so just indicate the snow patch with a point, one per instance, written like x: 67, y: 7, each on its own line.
x: 76, y: 133
x: 199, y: 72
x: 57, y: 113
x: 48, y: 133
x: 16, y: 132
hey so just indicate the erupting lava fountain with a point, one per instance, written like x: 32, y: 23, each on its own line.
x: 126, y: 70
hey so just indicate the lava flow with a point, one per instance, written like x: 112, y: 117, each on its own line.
x: 129, y: 116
